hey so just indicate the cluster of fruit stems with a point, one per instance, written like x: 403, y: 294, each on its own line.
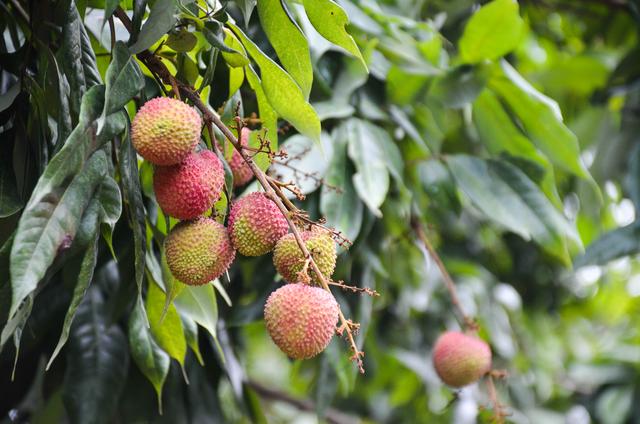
x: 273, y: 191
x: 155, y: 65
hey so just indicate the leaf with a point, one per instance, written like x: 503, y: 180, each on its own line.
x: 152, y: 361
x: 77, y: 57
x: 246, y: 7
x: 5, y: 286
x: 84, y: 278
x: 268, y: 116
x: 199, y: 304
x: 169, y: 332
x: 541, y: 120
x: 330, y: 21
x: 372, y: 177
x: 130, y: 183
x: 238, y: 58
x: 182, y: 41
x: 123, y: 79
x: 493, y: 31
x: 615, y: 244
x: 97, y: 364
x: 63, y: 192
x: 110, y: 208
x: 191, y: 334
x: 162, y: 17
x: 508, y: 197
x: 288, y: 41
x: 342, y: 210
x: 460, y: 86
x: 281, y: 91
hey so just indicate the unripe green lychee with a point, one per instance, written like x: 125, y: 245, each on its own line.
x: 460, y: 359
x: 301, y: 319
x: 289, y: 260
x: 165, y: 131
x: 190, y: 188
x: 198, y: 251
x: 242, y: 173
x: 256, y: 224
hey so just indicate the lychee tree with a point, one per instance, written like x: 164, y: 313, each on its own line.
x: 243, y: 211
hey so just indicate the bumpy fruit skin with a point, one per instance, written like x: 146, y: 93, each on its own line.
x: 256, y: 224
x: 165, y: 131
x: 289, y: 260
x: 301, y: 319
x: 242, y: 173
x: 189, y: 189
x: 460, y: 359
x: 198, y: 251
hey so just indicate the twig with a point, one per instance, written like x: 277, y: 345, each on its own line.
x: 468, y: 322
x: 332, y: 415
x: 499, y: 410
x: 155, y: 65
x: 354, y: 289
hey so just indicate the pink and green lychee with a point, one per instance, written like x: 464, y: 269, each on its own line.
x: 187, y: 190
x: 198, y: 251
x: 289, y: 259
x: 242, y: 173
x: 301, y: 319
x: 461, y: 359
x: 165, y: 131
x: 256, y: 224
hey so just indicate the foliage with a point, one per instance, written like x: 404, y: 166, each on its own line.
x: 507, y: 129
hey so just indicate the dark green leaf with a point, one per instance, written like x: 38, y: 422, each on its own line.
x: 199, y: 304
x: 508, y: 197
x: 97, y: 363
x: 615, y: 244
x: 63, y: 192
x: 150, y: 358
x: 288, y: 41
x: 182, y: 41
x: 161, y: 19
x: 167, y: 332
x: 459, y: 86
x: 10, y: 201
x: 123, y: 79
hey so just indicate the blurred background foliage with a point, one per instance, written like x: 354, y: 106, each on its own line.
x: 510, y: 131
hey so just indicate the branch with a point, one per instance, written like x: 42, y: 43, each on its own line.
x: 332, y: 416
x: 467, y: 322
x: 155, y: 65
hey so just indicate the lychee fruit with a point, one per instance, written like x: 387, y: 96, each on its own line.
x: 198, y: 251
x: 242, y: 173
x: 301, y: 319
x: 165, y: 131
x: 461, y: 359
x: 187, y: 190
x: 256, y: 224
x: 289, y: 259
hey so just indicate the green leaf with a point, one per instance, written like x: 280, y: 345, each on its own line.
x: 330, y: 21
x: 288, y: 41
x: 63, y: 192
x: 77, y: 58
x: 615, y: 244
x: 5, y: 286
x: 191, y: 334
x: 84, y: 279
x: 342, y: 210
x: 372, y: 177
x: 169, y: 332
x: 493, y: 31
x: 182, y: 41
x: 110, y: 208
x: 130, y: 183
x: 282, y: 92
x: 199, y: 304
x: 508, y: 197
x: 268, y: 116
x: 162, y: 17
x: 246, y: 7
x: 499, y: 134
x: 97, y: 364
x: 152, y: 361
x: 541, y: 120
x: 460, y: 86
x: 123, y: 80
x: 236, y: 59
